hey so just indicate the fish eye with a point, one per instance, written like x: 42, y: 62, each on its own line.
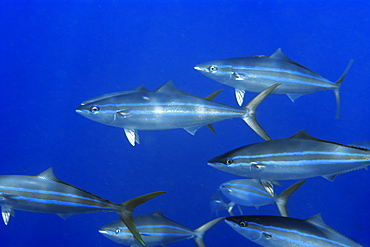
x: 117, y: 231
x: 243, y: 224
x: 229, y: 161
x: 94, y: 109
x: 213, y: 68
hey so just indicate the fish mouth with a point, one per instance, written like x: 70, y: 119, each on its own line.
x: 211, y: 164
x: 103, y: 232
x: 200, y: 69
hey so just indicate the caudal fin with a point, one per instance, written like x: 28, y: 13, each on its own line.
x: 250, y: 116
x: 282, y: 199
x: 339, y: 83
x: 125, y: 213
x: 200, y: 231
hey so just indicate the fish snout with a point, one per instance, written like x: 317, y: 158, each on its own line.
x: 201, y: 69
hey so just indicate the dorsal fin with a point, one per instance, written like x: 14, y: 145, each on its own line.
x: 213, y: 95
x: 317, y: 221
x: 142, y: 88
x: 158, y: 213
x: 278, y: 54
x: 49, y: 175
x: 170, y: 87
x: 302, y: 134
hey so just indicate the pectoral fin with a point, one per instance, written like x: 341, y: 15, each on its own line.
x: 132, y: 136
x: 6, y: 212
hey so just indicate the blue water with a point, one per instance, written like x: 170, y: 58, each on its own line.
x: 55, y: 54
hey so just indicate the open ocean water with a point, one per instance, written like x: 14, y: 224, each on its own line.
x: 56, y: 54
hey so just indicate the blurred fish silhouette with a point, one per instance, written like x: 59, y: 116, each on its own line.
x: 298, y: 157
x: 166, y: 108
x: 255, y: 74
x: 155, y: 229
x: 283, y: 231
x: 45, y: 193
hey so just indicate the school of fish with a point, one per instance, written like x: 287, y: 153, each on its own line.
x: 262, y: 165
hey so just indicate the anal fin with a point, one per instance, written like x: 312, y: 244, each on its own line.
x: 211, y: 128
x: 239, y: 94
x: 6, y: 212
x: 132, y: 136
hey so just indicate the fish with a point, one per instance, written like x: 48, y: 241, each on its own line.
x: 45, y: 193
x: 298, y: 157
x: 256, y: 73
x: 217, y: 203
x: 252, y: 193
x: 269, y: 231
x: 156, y: 229
x: 166, y: 108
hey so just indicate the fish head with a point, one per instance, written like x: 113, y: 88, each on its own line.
x: 218, y: 70
x: 118, y: 232
x: 245, y: 226
x: 234, y: 162
x: 101, y: 111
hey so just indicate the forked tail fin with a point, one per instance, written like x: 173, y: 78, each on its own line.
x: 200, y: 231
x: 125, y: 213
x: 250, y: 116
x: 339, y: 83
x: 282, y: 199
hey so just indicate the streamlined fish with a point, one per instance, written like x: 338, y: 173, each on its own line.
x: 298, y: 157
x: 166, y: 108
x: 283, y: 231
x: 45, y: 193
x: 254, y: 74
x: 155, y: 229
x: 252, y: 193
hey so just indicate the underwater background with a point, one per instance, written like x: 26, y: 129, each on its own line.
x: 56, y: 54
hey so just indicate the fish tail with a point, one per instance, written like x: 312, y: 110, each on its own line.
x: 125, y: 212
x: 339, y: 83
x: 282, y: 199
x: 200, y: 231
x: 250, y: 115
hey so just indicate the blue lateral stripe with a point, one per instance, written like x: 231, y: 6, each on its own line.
x: 245, y: 188
x: 169, y: 104
x: 302, y: 162
x: 150, y: 113
x: 277, y: 79
x: 45, y: 192
x: 293, y: 241
x: 143, y: 231
x: 300, y: 154
x: 281, y: 70
x: 56, y: 202
x: 250, y: 194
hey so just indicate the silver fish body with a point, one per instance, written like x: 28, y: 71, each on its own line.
x: 165, y: 108
x: 256, y: 73
x: 275, y: 231
x: 45, y: 193
x: 252, y: 193
x: 298, y: 157
x: 155, y: 229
